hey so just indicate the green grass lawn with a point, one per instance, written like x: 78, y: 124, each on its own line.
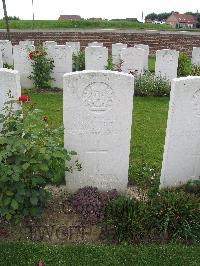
x: 148, y: 131
x: 60, y: 24
x: 23, y: 254
x: 152, y: 61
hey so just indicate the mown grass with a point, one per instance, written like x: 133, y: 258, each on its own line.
x: 61, y: 24
x: 23, y: 254
x: 152, y: 61
x: 148, y: 132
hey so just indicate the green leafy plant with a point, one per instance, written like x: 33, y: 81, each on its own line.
x: 31, y: 156
x: 149, y: 85
x: 5, y: 65
x: 110, y: 65
x: 195, y: 71
x: 175, y: 214
x: 165, y: 216
x: 124, y: 220
x: 79, y: 61
x: 184, y: 65
x: 42, y: 68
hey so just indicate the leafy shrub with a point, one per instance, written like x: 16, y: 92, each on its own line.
x: 31, y: 156
x: 167, y: 216
x: 149, y: 85
x: 175, y: 214
x: 124, y: 219
x: 79, y: 61
x: 5, y: 65
x: 195, y: 70
x: 184, y: 65
x: 42, y: 68
x: 90, y: 204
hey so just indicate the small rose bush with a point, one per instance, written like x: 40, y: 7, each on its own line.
x: 31, y: 156
x: 42, y: 68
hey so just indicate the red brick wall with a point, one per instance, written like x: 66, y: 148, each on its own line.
x: 156, y: 40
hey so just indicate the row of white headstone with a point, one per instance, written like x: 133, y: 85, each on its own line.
x: 97, y: 113
x: 132, y: 59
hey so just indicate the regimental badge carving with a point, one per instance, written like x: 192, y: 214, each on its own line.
x: 196, y: 103
x: 98, y: 97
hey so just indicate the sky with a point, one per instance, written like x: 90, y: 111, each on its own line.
x: 49, y: 9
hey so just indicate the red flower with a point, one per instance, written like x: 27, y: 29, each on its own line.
x: 30, y: 55
x: 23, y: 98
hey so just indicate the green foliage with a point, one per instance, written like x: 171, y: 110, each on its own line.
x: 110, y: 65
x: 42, y: 68
x: 195, y: 71
x: 175, y: 214
x: 160, y: 16
x: 5, y: 65
x: 149, y: 85
x: 184, y: 65
x: 167, y: 215
x: 31, y: 156
x: 124, y: 219
x: 151, y: 63
x: 28, y: 254
x: 11, y: 18
x: 193, y: 186
x: 79, y: 61
x: 144, y: 176
x: 63, y: 24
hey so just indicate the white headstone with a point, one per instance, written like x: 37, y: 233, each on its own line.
x: 166, y: 64
x: 23, y: 63
x: 97, y: 122
x: 62, y: 57
x: 146, y: 48
x: 75, y: 47
x: 96, y: 58
x: 196, y: 56
x: 116, y: 53
x: 181, y: 159
x: 46, y: 44
x: 95, y: 44
x: 9, y: 83
x: 1, y: 59
x: 26, y: 42
x: 6, y: 49
x: 133, y: 59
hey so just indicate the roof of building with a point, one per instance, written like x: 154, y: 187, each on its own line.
x: 182, y: 18
x: 67, y: 17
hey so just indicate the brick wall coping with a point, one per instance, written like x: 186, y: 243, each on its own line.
x: 161, y: 32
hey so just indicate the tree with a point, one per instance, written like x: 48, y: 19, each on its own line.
x: 11, y: 18
x: 6, y: 19
x: 152, y: 16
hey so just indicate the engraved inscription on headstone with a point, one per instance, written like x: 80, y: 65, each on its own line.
x: 97, y: 120
x: 62, y: 57
x: 133, y: 59
x: 96, y: 58
x: 166, y: 64
x: 181, y: 159
x: 97, y: 97
x: 22, y: 63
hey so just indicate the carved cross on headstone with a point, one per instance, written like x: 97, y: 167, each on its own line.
x: 97, y: 154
